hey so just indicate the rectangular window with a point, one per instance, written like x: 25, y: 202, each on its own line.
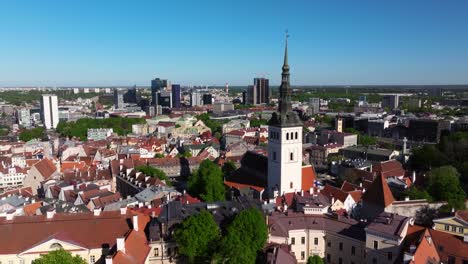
x: 353, y: 250
x: 340, y: 261
x: 92, y: 259
x: 302, y: 240
x: 156, y: 252
x: 328, y: 258
x: 274, y: 155
x: 315, y: 240
x: 389, y: 256
x: 454, y: 229
x: 329, y: 243
x: 376, y: 244
x: 291, y: 156
x: 460, y: 230
x: 302, y: 255
x: 293, y: 240
x: 446, y: 227
x: 341, y: 246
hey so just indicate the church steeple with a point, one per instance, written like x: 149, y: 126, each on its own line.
x: 286, y: 116
x: 285, y: 88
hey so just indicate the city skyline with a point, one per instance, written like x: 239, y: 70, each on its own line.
x: 211, y: 43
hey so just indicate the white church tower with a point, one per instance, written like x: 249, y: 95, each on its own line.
x: 284, y: 142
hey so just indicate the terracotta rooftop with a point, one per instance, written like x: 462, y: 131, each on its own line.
x: 45, y: 167
x: 379, y: 193
x: 82, y: 228
x: 449, y: 245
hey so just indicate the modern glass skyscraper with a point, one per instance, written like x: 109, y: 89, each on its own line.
x: 156, y: 86
x: 176, y: 95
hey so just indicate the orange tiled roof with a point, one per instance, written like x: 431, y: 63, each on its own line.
x: 308, y: 177
x: 379, y: 193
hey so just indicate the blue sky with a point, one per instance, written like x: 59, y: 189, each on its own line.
x: 213, y: 42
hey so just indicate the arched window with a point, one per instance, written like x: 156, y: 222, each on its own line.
x: 56, y: 246
x: 296, y: 135
x: 291, y: 156
x: 290, y: 185
x: 287, y: 136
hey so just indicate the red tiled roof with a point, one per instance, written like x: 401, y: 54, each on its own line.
x: 379, y: 193
x: 45, y: 167
x: 349, y: 187
x: 389, y: 168
x: 449, y: 245
x: 333, y: 192
x: 82, y: 228
x: 462, y: 215
x: 25, y: 192
x: 239, y: 186
x: 308, y: 178
x: 30, y: 209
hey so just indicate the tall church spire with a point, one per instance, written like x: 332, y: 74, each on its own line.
x: 286, y: 117
x: 285, y: 88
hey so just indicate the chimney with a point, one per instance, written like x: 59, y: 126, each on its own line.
x: 50, y: 213
x: 123, y: 210
x: 10, y: 215
x: 311, y: 190
x: 109, y: 259
x: 97, y: 211
x: 121, y: 244
x: 406, y: 198
x: 135, y: 222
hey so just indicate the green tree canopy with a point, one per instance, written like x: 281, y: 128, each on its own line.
x: 29, y: 134
x: 444, y: 185
x: 228, y: 168
x: 59, y: 256
x: 207, y: 182
x: 258, y: 122
x: 197, y: 237
x: 415, y: 193
x: 314, y: 260
x: 153, y: 172
x: 245, y: 236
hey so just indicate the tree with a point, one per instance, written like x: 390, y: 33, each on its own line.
x: 228, y: 168
x: 444, y: 185
x: 59, y: 256
x: 207, y: 182
x: 28, y: 134
x: 415, y: 193
x: 258, y: 122
x: 153, y: 172
x: 197, y: 237
x: 314, y: 260
x: 245, y: 236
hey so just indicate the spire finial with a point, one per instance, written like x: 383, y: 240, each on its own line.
x: 286, y: 49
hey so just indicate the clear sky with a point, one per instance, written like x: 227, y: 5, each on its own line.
x: 193, y: 42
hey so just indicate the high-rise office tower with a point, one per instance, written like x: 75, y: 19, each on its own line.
x: 263, y: 90
x: 131, y: 96
x: 156, y: 86
x: 244, y: 97
x: 165, y: 99
x: 207, y: 99
x: 314, y: 106
x: 175, y: 95
x: 49, y: 111
x: 390, y: 101
x: 23, y: 117
x: 118, y: 99
x: 196, y: 98
x: 251, y: 95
